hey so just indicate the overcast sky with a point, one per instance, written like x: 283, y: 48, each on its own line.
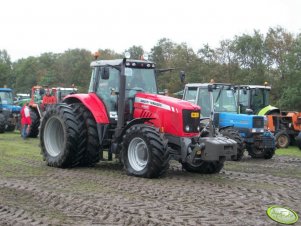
x: 32, y: 27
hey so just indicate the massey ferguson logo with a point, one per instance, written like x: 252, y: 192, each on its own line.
x: 155, y: 103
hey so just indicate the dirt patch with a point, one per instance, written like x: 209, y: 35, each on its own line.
x: 33, y: 194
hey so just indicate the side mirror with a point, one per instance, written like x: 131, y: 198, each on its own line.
x: 182, y: 76
x: 105, y: 73
x: 249, y: 111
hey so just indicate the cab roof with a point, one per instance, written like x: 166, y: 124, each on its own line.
x: 255, y: 86
x: 205, y: 85
x: 6, y: 90
x: 116, y: 62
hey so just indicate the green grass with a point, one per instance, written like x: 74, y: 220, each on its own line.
x: 20, y: 155
x: 290, y: 151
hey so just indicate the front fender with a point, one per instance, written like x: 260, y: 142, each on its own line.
x: 93, y: 103
x: 267, y: 110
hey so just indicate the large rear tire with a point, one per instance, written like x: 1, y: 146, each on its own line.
x: 282, y: 139
x: 234, y: 135
x: 2, y: 123
x: 144, y: 152
x: 92, y: 153
x: 35, y: 123
x: 204, y: 167
x: 62, y: 141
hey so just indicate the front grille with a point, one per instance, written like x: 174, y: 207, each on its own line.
x: 192, y: 122
x: 258, y: 122
x: 264, y: 142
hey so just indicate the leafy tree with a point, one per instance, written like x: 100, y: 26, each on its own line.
x: 26, y: 71
x: 74, y: 68
x: 108, y: 54
x: 6, y: 76
x: 135, y: 51
x: 278, y: 44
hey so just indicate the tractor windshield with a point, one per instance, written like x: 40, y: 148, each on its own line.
x: 137, y: 80
x: 259, y: 99
x: 224, y: 99
x: 254, y: 99
x: 141, y: 79
x: 6, y: 98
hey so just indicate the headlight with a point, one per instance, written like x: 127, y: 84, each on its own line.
x: 257, y: 130
x: 187, y: 128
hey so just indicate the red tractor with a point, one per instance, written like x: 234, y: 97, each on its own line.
x: 123, y: 114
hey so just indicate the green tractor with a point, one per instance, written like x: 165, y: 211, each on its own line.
x: 255, y: 100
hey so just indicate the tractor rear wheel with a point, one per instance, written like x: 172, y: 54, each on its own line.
x: 266, y: 153
x: 92, y: 153
x: 144, y: 152
x: 282, y: 139
x: 62, y: 140
x: 2, y: 123
x: 204, y: 167
x: 11, y: 128
x: 35, y: 123
x: 234, y: 135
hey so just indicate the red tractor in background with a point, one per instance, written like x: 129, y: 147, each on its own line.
x: 124, y: 115
x: 41, y: 98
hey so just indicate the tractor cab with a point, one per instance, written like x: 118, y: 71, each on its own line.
x: 254, y: 99
x: 106, y: 83
x: 223, y: 97
x: 9, y: 109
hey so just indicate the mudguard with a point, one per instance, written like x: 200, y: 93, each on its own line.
x: 266, y: 110
x: 93, y: 103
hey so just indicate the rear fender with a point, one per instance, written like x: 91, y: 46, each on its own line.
x: 93, y: 103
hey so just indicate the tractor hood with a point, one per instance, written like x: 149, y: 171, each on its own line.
x: 164, y: 102
x: 173, y: 116
x: 11, y: 108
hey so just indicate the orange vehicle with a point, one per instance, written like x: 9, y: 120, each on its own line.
x: 286, y: 127
x: 41, y: 97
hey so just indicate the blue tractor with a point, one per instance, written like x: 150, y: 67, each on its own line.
x: 217, y: 100
x: 9, y: 111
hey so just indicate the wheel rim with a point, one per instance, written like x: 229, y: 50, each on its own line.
x: 54, y: 136
x: 282, y: 141
x: 138, y: 154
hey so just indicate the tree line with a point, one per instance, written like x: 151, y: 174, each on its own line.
x: 274, y: 57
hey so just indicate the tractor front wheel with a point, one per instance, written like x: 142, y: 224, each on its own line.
x: 266, y: 153
x: 144, y: 152
x: 204, y: 167
x: 282, y: 139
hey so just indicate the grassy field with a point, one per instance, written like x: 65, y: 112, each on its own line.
x: 31, y: 193
x: 13, y: 144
